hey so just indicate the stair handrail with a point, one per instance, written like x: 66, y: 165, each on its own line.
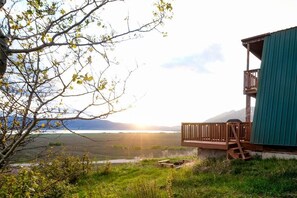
x: 237, y: 139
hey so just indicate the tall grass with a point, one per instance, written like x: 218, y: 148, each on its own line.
x: 143, y: 188
x: 207, y: 178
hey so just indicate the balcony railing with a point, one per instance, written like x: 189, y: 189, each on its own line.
x: 251, y: 82
x: 215, y: 132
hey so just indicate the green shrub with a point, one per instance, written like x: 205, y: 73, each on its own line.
x: 117, y: 146
x: 29, y: 183
x: 50, y: 178
x: 65, y: 167
x: 55, y: 144
x: 136, y: 148
x: 156, y: 147
x: 105, y: 169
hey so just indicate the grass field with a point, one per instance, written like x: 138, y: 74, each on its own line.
x: 210, y: 178
x: 147, y: 179
x: 106, y: 146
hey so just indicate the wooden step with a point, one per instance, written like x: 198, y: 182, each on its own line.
x: 235, y: 154
x: 246, y: 155
x: 248, y: 158
x: 232, y: 144
x: 239, y: 156
x: 234, y: 149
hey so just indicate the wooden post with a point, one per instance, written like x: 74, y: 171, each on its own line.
x: 227, y: 135
x: 248, y: 98
x: 182, y: 133
x: 248, y: 57
x: 248, y: 109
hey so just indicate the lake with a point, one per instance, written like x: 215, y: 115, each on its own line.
x: 106, y: 131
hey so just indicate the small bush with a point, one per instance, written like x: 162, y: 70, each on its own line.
x: 136, y: 148
x: 50, y: 178
x: 212, y: 165
x: 29, y: 183
x: 121, y: 147
x: 156, y: 147
x: 55, y: 144
x: 144, y: 189
x: 106, y: 169
x: 65, y: 167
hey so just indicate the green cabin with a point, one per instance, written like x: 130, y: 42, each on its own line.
x: 274, y: 86
x: 275, y: 117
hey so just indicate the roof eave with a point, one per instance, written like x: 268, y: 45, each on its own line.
x: 255, y: 44
x: 254, y: 39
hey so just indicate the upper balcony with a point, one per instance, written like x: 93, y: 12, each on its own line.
x: 251, y: 82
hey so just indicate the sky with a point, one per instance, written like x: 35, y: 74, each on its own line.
x: 196, y: 72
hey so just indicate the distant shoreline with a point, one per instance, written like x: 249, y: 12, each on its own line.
x: 105, y: 131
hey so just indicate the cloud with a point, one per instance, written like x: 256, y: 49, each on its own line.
x: 198, y: 62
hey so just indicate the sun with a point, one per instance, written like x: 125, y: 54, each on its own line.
x: 140, y: 126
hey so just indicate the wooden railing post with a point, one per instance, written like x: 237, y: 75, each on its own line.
x: 227, y: 135
x: 182, y: 131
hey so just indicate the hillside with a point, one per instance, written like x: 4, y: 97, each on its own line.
x: 108, y: 125
x: 239, y: 114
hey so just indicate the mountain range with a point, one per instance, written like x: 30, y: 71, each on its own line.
x: 108, y: 125
x: 239, y: 114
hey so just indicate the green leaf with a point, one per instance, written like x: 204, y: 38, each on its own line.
x: 102, y: 85
x: 74, y: 77
x: 63, y: 11
x: 89, y: 59
x: 29, y: 12
x: 88, y: 78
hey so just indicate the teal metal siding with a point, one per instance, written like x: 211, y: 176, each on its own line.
x: 275, y: 118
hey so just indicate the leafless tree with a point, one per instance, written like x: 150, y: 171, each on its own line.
x: 55, y: 64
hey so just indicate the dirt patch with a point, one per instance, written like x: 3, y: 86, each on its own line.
x: 177, y: 164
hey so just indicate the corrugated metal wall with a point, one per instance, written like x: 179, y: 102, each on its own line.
x: 275, y: 118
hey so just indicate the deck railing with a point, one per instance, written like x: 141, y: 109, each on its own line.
x: 251, y: 81
x: 215, y: 132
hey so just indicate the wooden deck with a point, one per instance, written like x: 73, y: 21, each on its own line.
x: 214, y: 135
x: 206, y: 144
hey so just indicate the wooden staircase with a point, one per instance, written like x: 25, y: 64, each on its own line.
x: 235, y: 150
